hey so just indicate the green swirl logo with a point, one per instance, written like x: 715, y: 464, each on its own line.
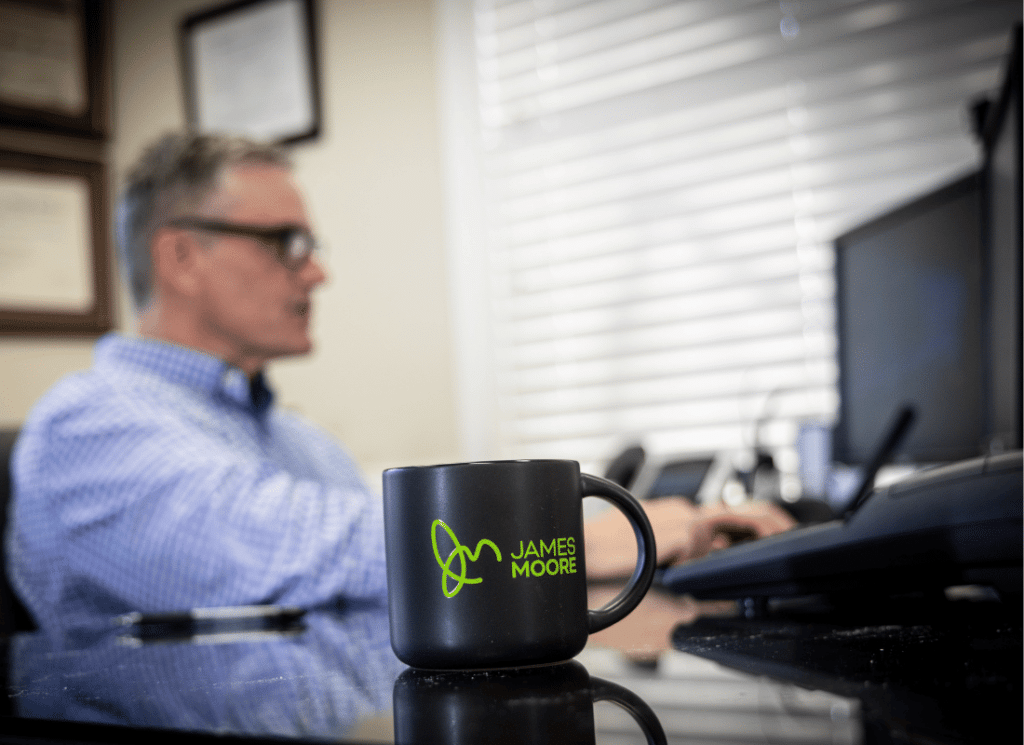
x: 462, y: 553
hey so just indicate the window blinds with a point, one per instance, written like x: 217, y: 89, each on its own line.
x: 660, y: 183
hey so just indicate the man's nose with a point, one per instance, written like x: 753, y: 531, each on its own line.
x: 312, y: 272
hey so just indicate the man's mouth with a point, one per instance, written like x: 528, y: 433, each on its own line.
x: 303, y: 309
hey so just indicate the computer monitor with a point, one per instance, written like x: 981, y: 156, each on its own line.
x: 929, y: 307
x: 1002, y: 241
x: 909, y: 327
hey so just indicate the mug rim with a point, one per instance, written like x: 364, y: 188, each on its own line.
x: 508, y: 462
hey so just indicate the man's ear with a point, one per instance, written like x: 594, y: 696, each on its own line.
x: 175, y: 256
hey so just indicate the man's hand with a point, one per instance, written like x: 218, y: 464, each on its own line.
x: 682, y: 531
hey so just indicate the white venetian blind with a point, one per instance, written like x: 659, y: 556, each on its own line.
x: 661, y: 185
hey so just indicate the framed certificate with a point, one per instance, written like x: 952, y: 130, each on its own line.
x: 250, y: 68
x: 52, y: 74
x: 54, y: 267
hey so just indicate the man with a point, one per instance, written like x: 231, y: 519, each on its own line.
x: 164, y: 478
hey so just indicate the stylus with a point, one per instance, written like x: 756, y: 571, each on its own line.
x: 893, y: 437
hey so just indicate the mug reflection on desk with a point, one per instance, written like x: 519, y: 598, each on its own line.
x: 537, y: 705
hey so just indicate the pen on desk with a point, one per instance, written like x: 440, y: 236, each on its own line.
x: 228, y: 613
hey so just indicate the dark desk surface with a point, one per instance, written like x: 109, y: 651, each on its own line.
x: 948, y: 673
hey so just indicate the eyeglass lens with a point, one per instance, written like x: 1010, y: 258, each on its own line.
x: 298, y: 246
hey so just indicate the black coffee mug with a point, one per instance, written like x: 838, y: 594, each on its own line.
x: 486, y: 566
x: 524, y: 706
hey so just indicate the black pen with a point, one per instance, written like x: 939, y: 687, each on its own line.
x: 274, y: 613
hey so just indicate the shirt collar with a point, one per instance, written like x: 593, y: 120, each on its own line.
x: 188, y: 367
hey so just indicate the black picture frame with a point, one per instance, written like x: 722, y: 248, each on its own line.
x: 27, y: 319
x: 251, y: 67
x: 90, y: 19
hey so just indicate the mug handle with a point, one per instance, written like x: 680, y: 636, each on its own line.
x: 636, y: 707
x: 643, y: 573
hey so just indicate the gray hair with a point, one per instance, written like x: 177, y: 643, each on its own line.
x: 174, y: 175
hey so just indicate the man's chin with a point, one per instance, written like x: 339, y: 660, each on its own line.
x: 300, y: 350
x: 297, y: 348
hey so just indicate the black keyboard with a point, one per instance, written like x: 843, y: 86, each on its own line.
x: 958, y: 524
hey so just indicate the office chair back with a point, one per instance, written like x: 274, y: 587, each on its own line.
x: 13, y: 615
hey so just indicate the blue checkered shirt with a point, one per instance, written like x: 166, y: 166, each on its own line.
x: 161, y: 479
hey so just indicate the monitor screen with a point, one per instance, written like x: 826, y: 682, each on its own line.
x: 1002, y: 237
x: 909, y: 326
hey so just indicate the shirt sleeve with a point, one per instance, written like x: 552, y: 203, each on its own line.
x: 142, y: 507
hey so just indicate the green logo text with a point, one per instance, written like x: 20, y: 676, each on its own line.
x: 557, y: 556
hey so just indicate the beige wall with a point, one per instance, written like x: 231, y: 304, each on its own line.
x: 381, y: 377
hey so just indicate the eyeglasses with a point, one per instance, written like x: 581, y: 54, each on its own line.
x: 291, y: 244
